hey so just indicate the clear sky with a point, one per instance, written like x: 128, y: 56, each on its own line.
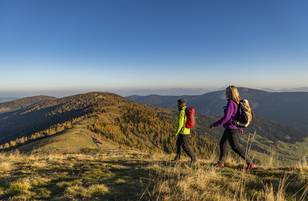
x: 159, y: 44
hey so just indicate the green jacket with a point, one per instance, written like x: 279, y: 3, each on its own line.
x: 181, y: 123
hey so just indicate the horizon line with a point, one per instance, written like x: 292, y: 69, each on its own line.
x: 136, y: 92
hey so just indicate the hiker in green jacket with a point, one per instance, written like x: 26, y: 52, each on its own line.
x: 183, y: 134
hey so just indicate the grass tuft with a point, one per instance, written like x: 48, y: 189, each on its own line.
x: 19, y: 187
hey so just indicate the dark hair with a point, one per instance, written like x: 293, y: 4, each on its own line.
x: 181, y: 102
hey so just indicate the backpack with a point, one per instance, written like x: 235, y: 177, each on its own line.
x: 190, y: 117
x: 244, y: 114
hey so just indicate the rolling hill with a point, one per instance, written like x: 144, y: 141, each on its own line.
x: 97, y: 116
x: 22, y: 103
x: 96, y: 121
x: 286, y: 108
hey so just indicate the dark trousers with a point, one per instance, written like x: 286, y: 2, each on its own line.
x: 183, y: 142
x: 232, y: 136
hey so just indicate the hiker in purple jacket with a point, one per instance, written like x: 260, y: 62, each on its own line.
x: 231, y: 132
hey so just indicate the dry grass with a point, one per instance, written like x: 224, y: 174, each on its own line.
x: 302, y: 165
x: 183, y: 184
x: 279, y: 195
x: 78, y: 191
x: 208, y: 183
x: 98, y: 189
x: 39, y: 164
x: 6, y: 166
x: 21, y: 186
x: 137, y: 176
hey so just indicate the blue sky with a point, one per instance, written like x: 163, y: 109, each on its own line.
x: 141, y: 44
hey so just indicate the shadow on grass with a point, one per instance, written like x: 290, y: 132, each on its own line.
x: 129, y: 179
x: 125, y: 180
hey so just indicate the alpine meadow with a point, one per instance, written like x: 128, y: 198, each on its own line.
x: 153, y: 100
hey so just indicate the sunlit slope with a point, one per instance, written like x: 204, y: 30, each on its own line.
x: 36, y: 116
x: 98, y: 116
x: 78, y: 139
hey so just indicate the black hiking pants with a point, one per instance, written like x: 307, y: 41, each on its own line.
x: 232, y: 136
x: 183, y: 142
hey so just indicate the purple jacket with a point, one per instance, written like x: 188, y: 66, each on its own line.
x: 230, y: 113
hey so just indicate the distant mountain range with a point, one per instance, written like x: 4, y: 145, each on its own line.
x: 6, y: 99
x: 297, y: 89
x: 301, y: 89
x: 287, y: 108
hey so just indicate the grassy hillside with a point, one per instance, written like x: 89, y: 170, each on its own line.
x: 88, y: 122
x: 78, y: 139
x: 96, y: 116
x: 129, y: 175
x: 37, y: 116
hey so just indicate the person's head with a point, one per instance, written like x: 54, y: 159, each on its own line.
x: 233, y: 94
x: 181, y: 103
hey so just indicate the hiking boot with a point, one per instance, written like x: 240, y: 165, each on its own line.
x: 251, y: 166
x: 220, y: 164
